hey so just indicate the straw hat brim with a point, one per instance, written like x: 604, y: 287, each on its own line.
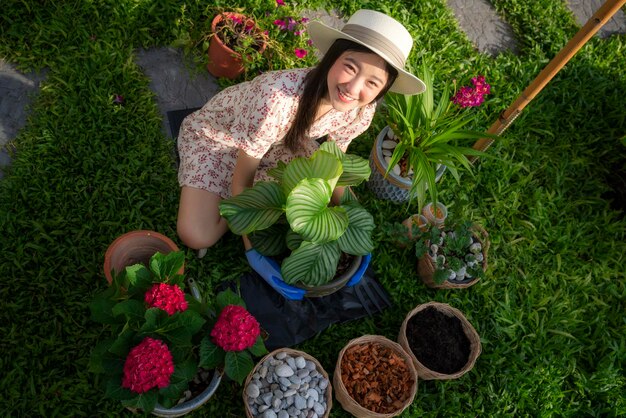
x: 323, y: 37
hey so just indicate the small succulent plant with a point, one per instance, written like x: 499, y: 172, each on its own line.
x: 455, y: 251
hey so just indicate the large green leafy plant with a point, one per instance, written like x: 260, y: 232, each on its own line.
x: 294, y: 213
x: 430, y: 134
x: 159, y: 336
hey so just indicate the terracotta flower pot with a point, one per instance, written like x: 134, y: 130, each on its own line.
x: 468, y: 330
x: 135, y: 247
x: 223, y: 61
x: 387, y: 376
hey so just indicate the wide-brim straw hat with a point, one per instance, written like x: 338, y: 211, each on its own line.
x: 380, y: 33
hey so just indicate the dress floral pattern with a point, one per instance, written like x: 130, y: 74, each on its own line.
x: 254, y: 116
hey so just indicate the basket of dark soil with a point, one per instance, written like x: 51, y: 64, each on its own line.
x: 288, y: 380
x: 454, y: 265
x: 374, y: 377
x: 440, y: 340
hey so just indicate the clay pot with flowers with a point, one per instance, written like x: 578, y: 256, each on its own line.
x: 423, y: 139
x: 236, y: 38
x: 153, y: 358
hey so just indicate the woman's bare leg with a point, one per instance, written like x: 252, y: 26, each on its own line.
x: 199, y: 222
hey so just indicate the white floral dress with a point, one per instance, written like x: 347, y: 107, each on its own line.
x: 254, y: 116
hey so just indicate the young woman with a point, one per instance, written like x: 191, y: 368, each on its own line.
x: 245, y: 129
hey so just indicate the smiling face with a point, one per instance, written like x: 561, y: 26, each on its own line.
x: 355, y: 79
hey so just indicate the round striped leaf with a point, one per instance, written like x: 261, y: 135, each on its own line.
x: 312, y: 264
x: 309, y: 215
x: 320, y: 165
x: 357, y: 240
x: 253, y: 209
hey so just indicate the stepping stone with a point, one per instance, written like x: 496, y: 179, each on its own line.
x: 332, y: 19
x: 16, y: 93
x: 482, y: 25
x: 584, y: 9
x: 175, y: 86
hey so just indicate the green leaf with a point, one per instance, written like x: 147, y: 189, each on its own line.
x: 258, y: 349
x: 123, y: 343
x: 271, y: 241
x: 211, y: 356
x: 238, y: 365
x: 145, y: 401
x: 321, y: 165
x: 132, y: 310
x: 312, y: 264
x: 254, y: 209
x: 165, y: 266
x: 139, y: 278
x: 98, y: 353
x: 309, y: 215
x: 228, y: 297
x: 357, y: 240
x: 114, y: 390
x: 355, y: 170
x: 294, y: 240
x: 101, y: 308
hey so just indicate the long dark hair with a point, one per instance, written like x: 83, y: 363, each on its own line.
x: 316, y: 89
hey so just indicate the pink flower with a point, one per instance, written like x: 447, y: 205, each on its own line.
x: 309, y: 42
x: 300, y: 53
x: 236, y: 329
x: 304, y: 20
x: 472, y: 97
x: 249, y: 27
x: 291, y: 24
x: 281, y: 24
x: 280, y: 2
x: 148, y: 365
x: 298, y: 32
x: 168, y: 297
x: 236, y: 20
x: 118, y: 99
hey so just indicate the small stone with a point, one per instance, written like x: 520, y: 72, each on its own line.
x: 310, y: 365
x: 323, y: 384
x: 276, y: 403
x: 295, y: 379
x: 387, y: 153
x: 314, y: 373
x: 269, y: 414
x: 318, y: 408
x: 306, y: 379
x: 300, y: 362
x: 480, y: 257
x: 293, y: 412
x: 289, y: 393
x: 283, y: 414
x: 278, y: 394
x: 276, y: 363
x: 284, y: 371
x: 312, y: 393
x: 267, y: 398
x: 310, y: 402
x: 281, y: 355
x: 389, y: 144
x: 476, y: 248
x: 302, y: 373
x: 291, y: 362
x: 263, y: 372
x: 300, y: 402
x: 396, y: 170
x: 387, y: 161
x: 312, y: 414
x: 263, y: 408
x: 284, y: 381
x: 253, y: 391
x: 253, y: 410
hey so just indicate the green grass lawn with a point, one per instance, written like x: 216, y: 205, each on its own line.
x: 550, y: 312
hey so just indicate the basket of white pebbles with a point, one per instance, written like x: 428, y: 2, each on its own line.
x: 288, y: 383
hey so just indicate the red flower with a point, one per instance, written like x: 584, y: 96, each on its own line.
x: 300, y: 53
x: 148, y: 365
x: 236, y: 329
x: 281, y: 24
x: 168, y: 297
x: 280, y: 2
x: 472, y: 97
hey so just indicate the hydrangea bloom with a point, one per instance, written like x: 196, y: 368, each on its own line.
x: 148, y: 365
x: 472, y: 97
x: 236, y: 329
x: 167, y: 297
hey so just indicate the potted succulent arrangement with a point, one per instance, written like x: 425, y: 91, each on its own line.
x: 160, y: 356
x: 452, y: 256
x: 423, y: 138
x: 294, y: 216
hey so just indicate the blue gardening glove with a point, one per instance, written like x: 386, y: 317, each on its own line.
x: 270, y: 271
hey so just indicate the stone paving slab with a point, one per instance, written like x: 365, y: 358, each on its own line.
x: 176, y: 86
x: 482, y: 25
x: 584, y: 9
x: 17, y: 91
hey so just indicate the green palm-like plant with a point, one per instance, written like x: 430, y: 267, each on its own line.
x: 295, y: 213
x: 430, y: 135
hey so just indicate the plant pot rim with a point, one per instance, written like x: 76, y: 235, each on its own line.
x: 127, y: 237
x: 193, y: 403
x: 424, y: 372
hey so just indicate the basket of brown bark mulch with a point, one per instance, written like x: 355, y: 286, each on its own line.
x: 440, y: 341
x: 374, y: 377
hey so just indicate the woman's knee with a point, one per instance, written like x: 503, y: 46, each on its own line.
x: 199, y: 236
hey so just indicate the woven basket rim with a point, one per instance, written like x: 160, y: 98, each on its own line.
x: 469, y: 330
x: 293, y: 353
x: 354, y: 407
